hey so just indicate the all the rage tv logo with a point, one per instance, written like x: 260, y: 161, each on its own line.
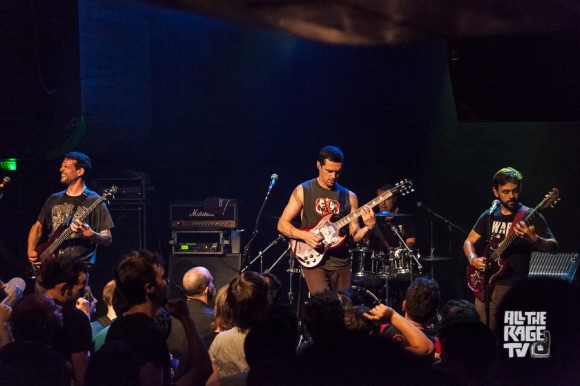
x: 525, y: 331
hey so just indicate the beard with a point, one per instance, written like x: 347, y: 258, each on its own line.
x: 510, y: 205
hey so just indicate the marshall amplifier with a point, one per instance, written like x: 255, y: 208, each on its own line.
x: 215, y: 213
x: 198, y: 243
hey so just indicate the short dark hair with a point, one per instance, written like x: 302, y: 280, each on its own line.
x: 58, y: 271
x: 331, y: 153
x: 505, y: 175
x: 83, y: 161
x: 135, y: 271
x: 323, y: 316
x: 422, y: 299
x: 29, y: 318
x: 247, y: 297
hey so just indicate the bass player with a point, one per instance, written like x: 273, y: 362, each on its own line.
x: 314, y: 199
x: 61, y: 210
x: 494, y: 227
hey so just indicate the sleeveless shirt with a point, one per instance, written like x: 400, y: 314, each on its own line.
x: 319, y: 202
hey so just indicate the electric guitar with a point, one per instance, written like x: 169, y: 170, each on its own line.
x: 329, y: 231
x: 48, y: 250
x: 497, y: 263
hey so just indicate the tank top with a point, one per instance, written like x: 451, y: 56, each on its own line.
x: 319, y: 202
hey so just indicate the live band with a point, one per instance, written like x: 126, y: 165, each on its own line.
x: 338, y: 241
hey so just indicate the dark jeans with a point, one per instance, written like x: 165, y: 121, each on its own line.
x: 320, y: 279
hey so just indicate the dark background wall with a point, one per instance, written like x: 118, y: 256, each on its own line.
x: 207, y: 108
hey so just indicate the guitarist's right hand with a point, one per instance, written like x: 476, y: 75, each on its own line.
x: 479, y: 263
x: 313, y: 240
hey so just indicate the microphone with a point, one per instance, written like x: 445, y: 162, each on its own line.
x: 273, y: 179
x: 6, y: 180
x: 494, y: 206
x: 419, y: 204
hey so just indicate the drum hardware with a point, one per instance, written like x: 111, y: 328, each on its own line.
x: 260, y: 255
x: 405, y: 247
x: 432, y: 260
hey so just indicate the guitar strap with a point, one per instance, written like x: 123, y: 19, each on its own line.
x: 79, y: 200
x: 519, y: 217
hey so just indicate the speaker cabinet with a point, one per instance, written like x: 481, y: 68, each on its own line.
x: 128, y: 234
x: 223, y: 268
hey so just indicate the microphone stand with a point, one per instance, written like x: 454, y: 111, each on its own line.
x: 450, y: 225
x: 487, y: 271
x: 255, y: 231
x: 261, y: 254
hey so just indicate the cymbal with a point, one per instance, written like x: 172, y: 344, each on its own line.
x: 435, y: 259
x: 386, y: 213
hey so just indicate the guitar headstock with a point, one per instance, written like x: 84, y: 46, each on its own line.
x: 108, y: 193
x: 551, y: 199
x: 404, y: 187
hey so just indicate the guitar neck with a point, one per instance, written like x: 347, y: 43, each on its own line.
x: 512, y: 236
x: 357, y: 213
x: 68, y: 231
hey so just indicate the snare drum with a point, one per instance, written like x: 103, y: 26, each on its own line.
x: 363, y: 262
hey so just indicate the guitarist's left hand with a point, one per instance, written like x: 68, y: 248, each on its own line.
x: 526, y: 232
x: 82, y: 228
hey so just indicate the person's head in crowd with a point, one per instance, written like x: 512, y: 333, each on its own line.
x: 64, y: 280
x: 274, y: 287
x: 467, y: 348
x: 323, y: 316
x: 12, y: 291
x: 108, y: 292
x: 198, y: 284
x: 222, y: 311
x: 140, y: 278
x: 247, y: 298
x: 35, y: 318
x: 270, y: 347
x: 422, y: 300
x: 114, y: 364
x: 459, y: 307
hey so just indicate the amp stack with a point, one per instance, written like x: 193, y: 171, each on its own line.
x: 204, y: 233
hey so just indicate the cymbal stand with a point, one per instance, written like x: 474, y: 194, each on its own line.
x: 261, y: 254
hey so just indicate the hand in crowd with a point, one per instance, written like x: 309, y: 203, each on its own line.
x: 87, y: 306
x: 177, y: 308
x: 380, y: 312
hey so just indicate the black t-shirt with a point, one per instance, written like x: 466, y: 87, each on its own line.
x: 57, y: 210
x: 75, y: 336
x: 36, y: 363
x: 519, y: 252
x: 144, y: 337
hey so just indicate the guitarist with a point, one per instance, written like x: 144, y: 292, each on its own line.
x: 59, y: 212
x: 312, y: 200
x: 494, y: 227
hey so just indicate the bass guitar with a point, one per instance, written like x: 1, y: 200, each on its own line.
x: 48, y: 250
x: 329, y: 231
x: 497, y: 263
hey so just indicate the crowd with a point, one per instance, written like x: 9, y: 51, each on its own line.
x: 245, y: 334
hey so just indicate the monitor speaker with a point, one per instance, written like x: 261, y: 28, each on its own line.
x: 223, y: 268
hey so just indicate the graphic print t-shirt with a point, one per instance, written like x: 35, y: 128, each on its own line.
x: 319, y: 202
x: 519, y: 252
x: 57, y: 211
